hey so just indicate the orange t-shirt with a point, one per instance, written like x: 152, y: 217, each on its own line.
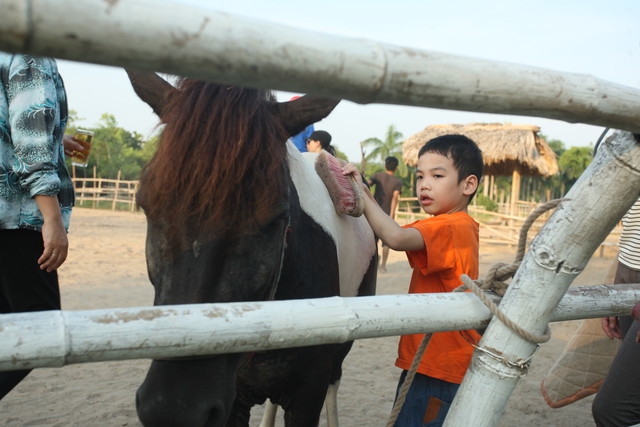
x: 451, y: 242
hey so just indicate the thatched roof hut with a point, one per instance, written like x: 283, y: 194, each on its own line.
x: 506, y: 148
x: 514, y: 150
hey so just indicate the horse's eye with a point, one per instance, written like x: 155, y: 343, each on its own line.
x: 276, y: 216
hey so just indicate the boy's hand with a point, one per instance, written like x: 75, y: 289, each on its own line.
x: 352, y: 169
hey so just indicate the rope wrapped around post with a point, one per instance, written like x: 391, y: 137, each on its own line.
x: 495, y: 281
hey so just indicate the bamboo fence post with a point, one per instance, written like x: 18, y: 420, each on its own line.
x: 175, y: 38
x: 95, y: 183
x: 115, y: 192
x: 492, y: 189
x: 560, y: 251
x: 133, y: 194
x: 485, y: 187
x: 83, y: 189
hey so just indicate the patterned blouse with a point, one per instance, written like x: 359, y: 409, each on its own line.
x: 33, y: 117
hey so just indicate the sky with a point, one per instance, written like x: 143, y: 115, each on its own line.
x: 592, y: 37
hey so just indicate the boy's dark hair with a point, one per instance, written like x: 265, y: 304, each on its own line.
x: 466, y: 156
x: 391, y: 163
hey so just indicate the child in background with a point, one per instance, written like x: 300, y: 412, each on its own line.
x: 440, y: 249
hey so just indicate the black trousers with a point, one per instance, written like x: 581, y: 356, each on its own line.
x: 617, y: 402
x: 23, y: 286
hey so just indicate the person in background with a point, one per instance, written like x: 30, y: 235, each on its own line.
x: 36, y: 193
x: 440, y: 249
x: 300, y: 140
x: 617, y: 402
x: 320, y: 140
x: 387, y: 193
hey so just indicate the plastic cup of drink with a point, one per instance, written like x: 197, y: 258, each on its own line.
x: 81, y: 157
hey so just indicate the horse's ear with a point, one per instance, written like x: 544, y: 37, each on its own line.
x: 152, y: 89
x: 296, y: 115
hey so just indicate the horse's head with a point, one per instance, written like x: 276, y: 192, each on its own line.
x: 217, y: 196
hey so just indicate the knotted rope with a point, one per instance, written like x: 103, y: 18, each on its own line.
x: 495, y: 281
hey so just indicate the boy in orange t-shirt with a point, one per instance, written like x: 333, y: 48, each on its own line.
x: 440, y: 249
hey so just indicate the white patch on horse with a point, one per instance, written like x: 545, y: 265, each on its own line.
x: 353, y: 236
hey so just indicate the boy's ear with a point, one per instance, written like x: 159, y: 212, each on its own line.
x: 470, y: 185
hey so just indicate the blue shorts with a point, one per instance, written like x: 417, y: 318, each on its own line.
x: 427, y: 402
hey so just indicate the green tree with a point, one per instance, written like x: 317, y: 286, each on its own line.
x: 574, y: 161
x: 381, y: 149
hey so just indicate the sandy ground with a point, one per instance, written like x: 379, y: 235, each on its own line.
x: 106, y: 268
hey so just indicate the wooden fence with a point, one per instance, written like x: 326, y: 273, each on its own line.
x: 103, y: 192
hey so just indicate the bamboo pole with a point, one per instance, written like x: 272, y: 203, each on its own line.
x: 95, y: 183
x: 115, y: 192
x: 485, y: 187
x: 83, y: 189
x: 58, y: 338
x: 178, y: 39
x: 492, y: 189
x: 133, y: 192
x: 559, y: 252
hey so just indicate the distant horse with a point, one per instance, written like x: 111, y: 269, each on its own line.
x: 235, y: 213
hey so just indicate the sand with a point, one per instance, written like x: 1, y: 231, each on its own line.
x: 106, y: 268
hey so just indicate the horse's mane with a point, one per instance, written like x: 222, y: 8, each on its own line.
x: 220, y: 162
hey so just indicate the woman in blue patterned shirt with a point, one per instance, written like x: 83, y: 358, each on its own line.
x: 36, y: 193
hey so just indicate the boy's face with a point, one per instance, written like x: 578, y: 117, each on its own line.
x: 437, y: 185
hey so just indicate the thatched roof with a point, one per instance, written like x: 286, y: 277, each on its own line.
x: 505, y: 147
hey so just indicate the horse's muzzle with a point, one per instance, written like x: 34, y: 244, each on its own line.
x: 192, y: 392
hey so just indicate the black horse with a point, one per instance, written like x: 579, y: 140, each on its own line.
x: 235, y: 213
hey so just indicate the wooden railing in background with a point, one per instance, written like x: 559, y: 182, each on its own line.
x: 103, y: 192
x: 495, y: 227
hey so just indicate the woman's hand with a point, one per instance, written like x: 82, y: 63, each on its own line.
x: 611, y: 327
x: 54, y: 236
x: 71, y: 145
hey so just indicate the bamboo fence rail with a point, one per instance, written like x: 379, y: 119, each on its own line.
x: 58, y: 338
x: 175, y: 38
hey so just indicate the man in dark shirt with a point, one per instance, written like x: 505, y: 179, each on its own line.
x: 387, y: 192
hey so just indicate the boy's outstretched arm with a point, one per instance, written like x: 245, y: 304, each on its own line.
x: 394, y: 236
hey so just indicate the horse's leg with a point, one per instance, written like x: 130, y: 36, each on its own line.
x: 269, y: 416
x: 331, y: 403
x: 305, y: 407
x: 331, y: 400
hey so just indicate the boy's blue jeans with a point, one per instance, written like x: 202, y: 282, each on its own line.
x: 427, y: 402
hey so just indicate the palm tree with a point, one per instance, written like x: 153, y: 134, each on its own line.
x: 391, y: 146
